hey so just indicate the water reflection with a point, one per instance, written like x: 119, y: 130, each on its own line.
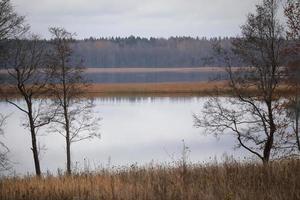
x: 134, y: 130
x: 153, y: 99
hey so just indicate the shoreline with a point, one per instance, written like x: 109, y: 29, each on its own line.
x: 171, y: 89
x: 156, y: 89
x: 145, y: 89
x: 145, y: 69
x: 228, y: 180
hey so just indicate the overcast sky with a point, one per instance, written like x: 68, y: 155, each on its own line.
x: 146, y: 18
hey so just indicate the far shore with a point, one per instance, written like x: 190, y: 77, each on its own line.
x: 146, y: 69
x: 144, y: 89
x: 154, y: 69
x: 175, y: 89
x: 157, y: 89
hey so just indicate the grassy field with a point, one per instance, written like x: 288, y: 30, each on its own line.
x: 227, y: 181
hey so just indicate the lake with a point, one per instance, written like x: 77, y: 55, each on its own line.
x: 145, y: 75
x: 133, y: 131
x: 154, y: 77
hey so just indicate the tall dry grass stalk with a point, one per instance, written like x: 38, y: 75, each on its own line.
x: 230, y: 180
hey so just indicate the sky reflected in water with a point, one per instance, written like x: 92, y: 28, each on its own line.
x: 133, y: 130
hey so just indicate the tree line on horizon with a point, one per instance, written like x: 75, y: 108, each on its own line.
x: 153, y: 52
x: 149, y: 52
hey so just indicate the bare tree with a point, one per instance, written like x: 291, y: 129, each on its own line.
x: 25, y: 67
x: 254, y: 114
x: 74, y: 115
x: 11, y: 25
x: 292, y: 13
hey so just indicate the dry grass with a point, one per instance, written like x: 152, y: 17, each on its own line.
x: 149, y: 89
x: 209, y: 88
x: 231, y: 180
x: 161, y: 89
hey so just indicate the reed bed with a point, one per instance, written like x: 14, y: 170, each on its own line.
x: 141, y: 89
x: 175, y: 89
x: 226, y: 181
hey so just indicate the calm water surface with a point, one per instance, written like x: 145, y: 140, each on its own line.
x: 133, y: 130
x: 144, y: 77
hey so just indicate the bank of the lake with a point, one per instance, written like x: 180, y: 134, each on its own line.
x: 173, y: 89
x: 229, y: 181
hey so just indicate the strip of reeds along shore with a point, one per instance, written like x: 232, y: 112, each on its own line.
x: 153, y: 89
x: 159, y: 89
x: 231, y: 180
x: 141, y: 89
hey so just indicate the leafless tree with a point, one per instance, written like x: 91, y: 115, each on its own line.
x: 254, y: 114
x: 11, y: 24
x: 25, y: 66
x: 292, y: 13
x: 74, y: 115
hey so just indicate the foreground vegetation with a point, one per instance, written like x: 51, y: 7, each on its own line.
x: 230, y: 180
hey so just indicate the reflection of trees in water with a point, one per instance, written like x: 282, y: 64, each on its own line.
x: 149, y: 99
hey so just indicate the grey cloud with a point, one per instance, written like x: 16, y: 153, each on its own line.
x: 72, y: 7
x: 136, y: 17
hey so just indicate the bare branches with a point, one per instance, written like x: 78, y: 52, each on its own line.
x: 2, y: 121
x: 74, y: 117
x: 83, y: 123
x: 292, y: 12
x: 255, y: 114
x: 11, y: 24
x: 26, y: 64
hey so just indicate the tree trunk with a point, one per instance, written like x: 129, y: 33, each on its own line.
x: 68, y: 146
x: 33, y: 141
x: 68, y: 140
x: 297, y: 126
x: 270, y: 138
x: 267, y: 149
x: 35, y: 154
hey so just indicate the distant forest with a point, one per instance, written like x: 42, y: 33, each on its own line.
x: 150, y: 52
